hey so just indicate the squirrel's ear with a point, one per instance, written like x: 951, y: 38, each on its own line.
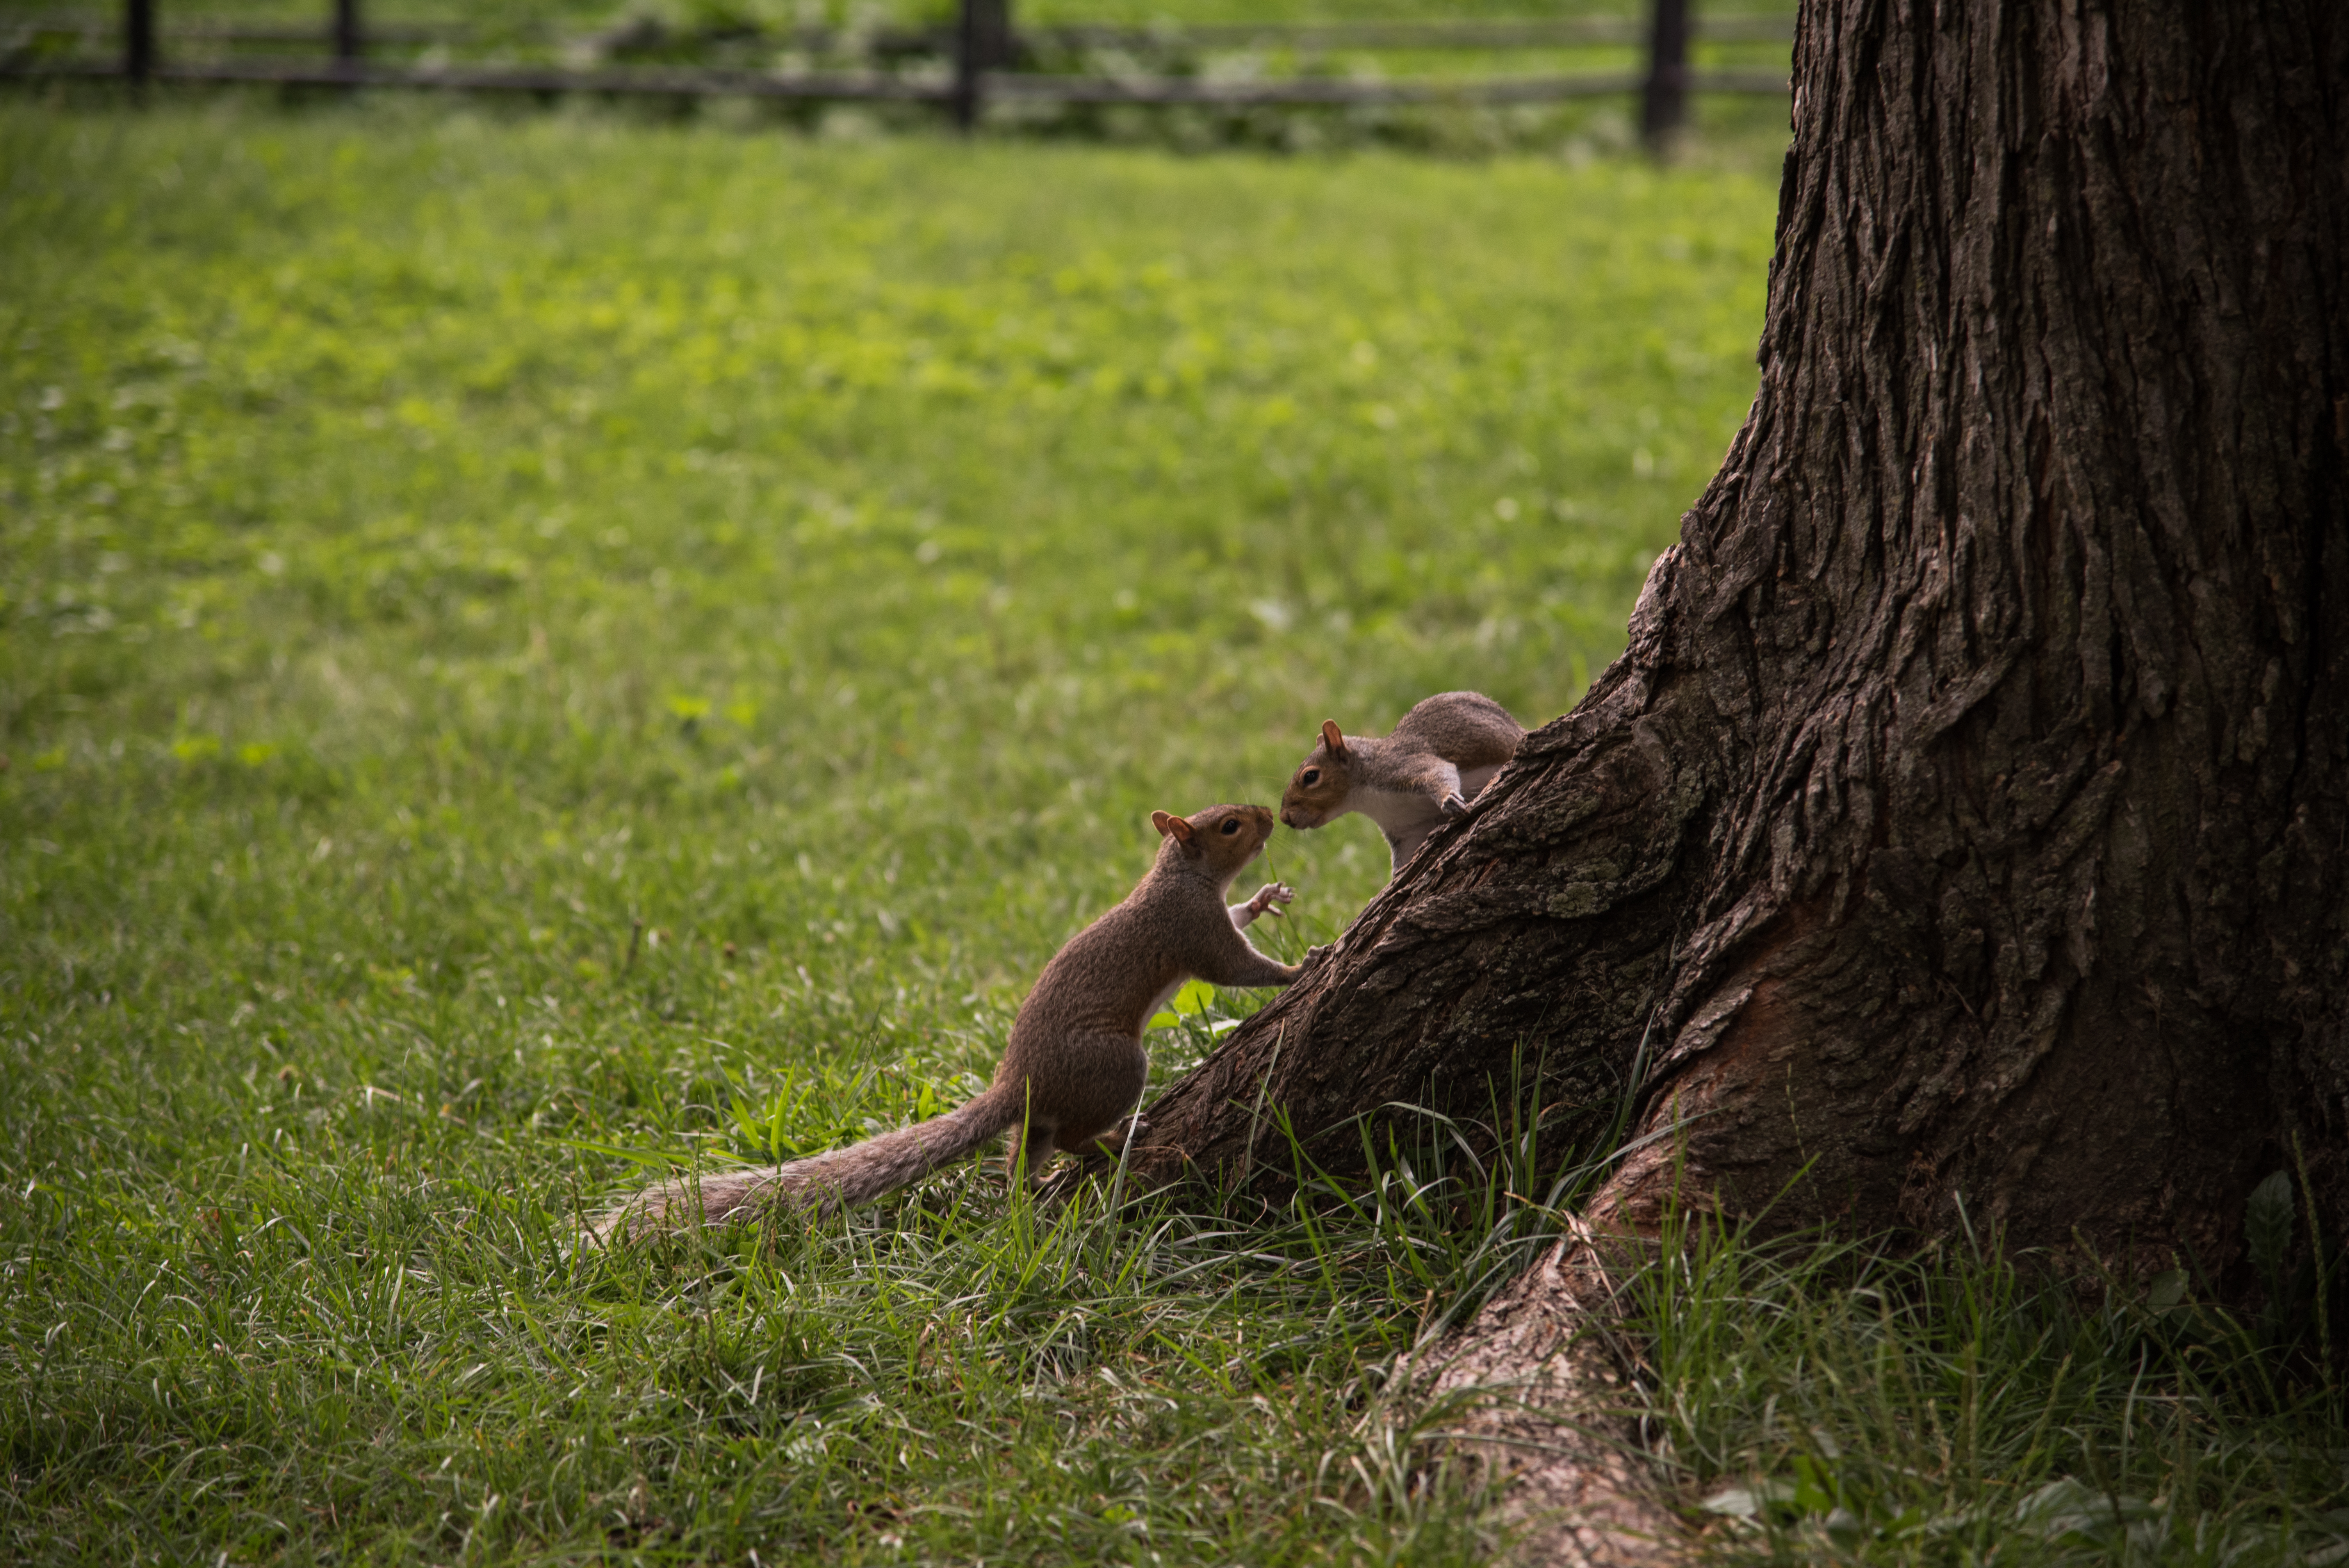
x: 1168, y: 822
x: 1332, y: 738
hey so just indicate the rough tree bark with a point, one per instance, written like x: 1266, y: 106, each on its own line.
x: 1965, y: 822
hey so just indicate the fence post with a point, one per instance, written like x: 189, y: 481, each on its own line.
x: 139, y: 41
x: 982, y: 42
x: 349, y: 44
x: 1664, y: 102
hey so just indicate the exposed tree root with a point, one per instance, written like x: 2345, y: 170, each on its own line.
x: 1541, y: 1380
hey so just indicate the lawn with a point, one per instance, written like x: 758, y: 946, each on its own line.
x: 533, y: 648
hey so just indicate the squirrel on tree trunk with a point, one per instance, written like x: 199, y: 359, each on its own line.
x: 1440, y: 755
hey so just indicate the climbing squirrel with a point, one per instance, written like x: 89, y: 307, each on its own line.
x: 1074, y: 1066
x: 1443, y: 752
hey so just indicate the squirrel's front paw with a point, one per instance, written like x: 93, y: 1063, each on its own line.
x: 1455, y: 807
x: 1270, y: 897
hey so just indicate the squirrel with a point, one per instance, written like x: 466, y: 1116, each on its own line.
x: 1074, y: 1066
x: 1440, y: 755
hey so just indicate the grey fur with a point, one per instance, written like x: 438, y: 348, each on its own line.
x: 1440, y: 757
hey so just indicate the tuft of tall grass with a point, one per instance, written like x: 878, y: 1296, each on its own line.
x: 1826, y: 1401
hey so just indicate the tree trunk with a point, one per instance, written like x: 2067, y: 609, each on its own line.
x: 1960, y: 840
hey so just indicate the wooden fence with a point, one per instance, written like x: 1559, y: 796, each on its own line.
x: 961, y: 67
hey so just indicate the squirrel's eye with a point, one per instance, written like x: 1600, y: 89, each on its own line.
x: 1231, y: 827
x: 1311, y: 776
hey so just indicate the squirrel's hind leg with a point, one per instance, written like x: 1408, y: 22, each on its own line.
x: 1030, y: 1151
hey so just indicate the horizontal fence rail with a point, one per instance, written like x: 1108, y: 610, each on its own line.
x: 1310, y: 91
x: 977, y: 60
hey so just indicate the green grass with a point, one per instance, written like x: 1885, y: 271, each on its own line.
x: 432, y: 544
x: 1832, y: 1403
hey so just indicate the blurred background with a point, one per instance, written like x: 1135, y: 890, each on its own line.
x: 1294, y: 74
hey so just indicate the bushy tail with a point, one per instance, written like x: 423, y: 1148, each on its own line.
x: 837, y: 1179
